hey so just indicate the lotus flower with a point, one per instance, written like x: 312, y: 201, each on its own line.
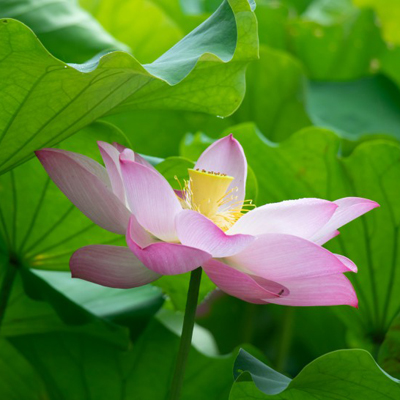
x: 269, y: 254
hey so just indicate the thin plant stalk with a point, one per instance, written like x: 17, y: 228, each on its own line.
x: 187, y: 332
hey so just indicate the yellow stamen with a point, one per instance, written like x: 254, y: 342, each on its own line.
x: 207, y: 190
x: 208, y: 194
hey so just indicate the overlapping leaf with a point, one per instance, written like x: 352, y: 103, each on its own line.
x: 341, y: 375
x: 43, y: 100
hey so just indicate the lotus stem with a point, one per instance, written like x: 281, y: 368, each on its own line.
x: 187, y: 332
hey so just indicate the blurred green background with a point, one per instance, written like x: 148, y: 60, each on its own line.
x: 311, y: 91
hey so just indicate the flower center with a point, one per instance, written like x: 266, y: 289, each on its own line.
x: 207, y: 193
x: 207, y: 190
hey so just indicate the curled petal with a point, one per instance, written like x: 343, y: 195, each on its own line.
x: 331, y: 290
x: 110, y: 266
x: 163, y: 258
x: 226, y: 156
x: 303, y: 218
x: 279, y: 257
x: 242, y: 285
x: 348, y: 209
x: 151, y: 199
x: 87, y: 185
x: 196, y: 230
x: 347, y: 262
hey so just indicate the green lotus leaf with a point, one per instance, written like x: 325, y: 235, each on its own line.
x: 100, y: 371
x: 341, y: 375
x: 45, y: 100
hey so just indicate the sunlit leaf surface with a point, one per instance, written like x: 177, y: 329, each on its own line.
x: 56, y: 99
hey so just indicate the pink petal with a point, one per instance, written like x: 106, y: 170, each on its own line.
x: 86, y: 184
x: 348, y: 263
x: 226, y: 156
x: 151, y: 199
x: 301, y: 218
x: 242, y: 285
x: 330, y: 290
x: 196, y: 230
x: 279, y: 257
x: 110, y: 266
x: 348, y: 209
x: 163, y: 258
x: 138, y: 234
x: 110, y: 157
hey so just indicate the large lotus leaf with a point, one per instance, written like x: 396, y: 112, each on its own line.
x: 44, y: 100
x: 309, y: 165
x: 141, y: 24
x: 341, y: 375
x: 67, y: 31
x: 92, y: 369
